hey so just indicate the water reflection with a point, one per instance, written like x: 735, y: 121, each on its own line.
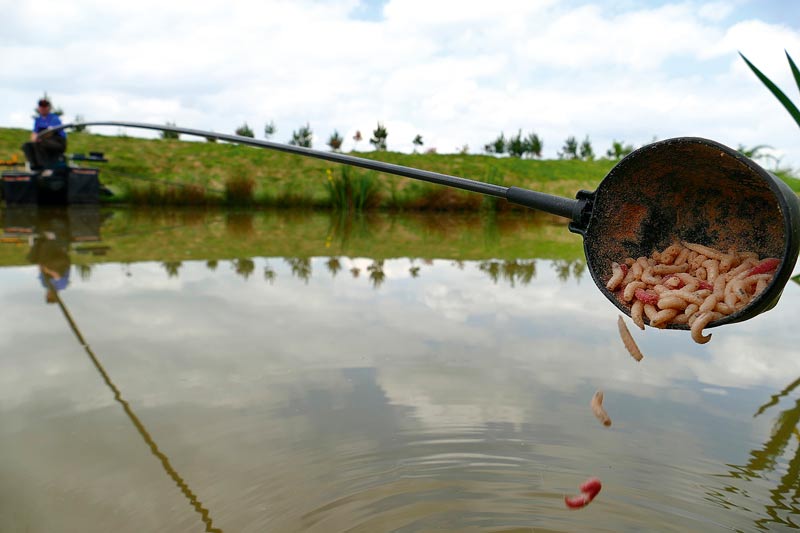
x: 373, y: 386
x: 141, y: 236
x: 52, y: 236
x: 135, y: 420
x: 766, y: 461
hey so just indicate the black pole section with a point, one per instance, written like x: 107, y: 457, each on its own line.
x: 555, y: 205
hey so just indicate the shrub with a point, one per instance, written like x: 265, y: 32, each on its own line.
x: 570, y: 149
x: 618, y: 150
x: 239, y: 190
x: 533, y: 145
x: 170, y: 134
x: 78, y: 120
x: 245, y: 131
x: 269, y: 130
x: 302, y: 137
x: 516, y: 145
x: 417, y: 142
x: 586, y: 152
x: 335, y: 141
x: 379, y: 136
x: 497, y: 146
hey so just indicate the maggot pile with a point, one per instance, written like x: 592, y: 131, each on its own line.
x: 690, y: 284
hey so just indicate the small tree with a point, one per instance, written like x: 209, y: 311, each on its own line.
x: 357, y: 139
x: 78, y: 123
x: 533, y: 145
x: 497, y: 146
x: 378, y: 139
x: 570, y: 149
x: 269, y: 130
x: 335, y: 141
x: 170, y: 134
x: 302, y: 137
x: 516, y: 145
x: 245, y: 131
x: 417, y: 142
x: 586, y: 151
x: 618, y: 150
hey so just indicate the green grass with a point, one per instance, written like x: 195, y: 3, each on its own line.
x: 140, y: 172
x: 138, y: 169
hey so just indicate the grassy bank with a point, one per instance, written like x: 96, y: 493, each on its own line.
x: 226, y: 173
x: 173, y: 172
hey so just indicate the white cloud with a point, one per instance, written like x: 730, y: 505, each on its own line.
x: 456, y: 72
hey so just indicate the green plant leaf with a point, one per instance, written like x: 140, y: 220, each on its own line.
x: 795, y: 71
x: 782, y: 98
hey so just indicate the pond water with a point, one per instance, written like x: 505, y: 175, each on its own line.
x: 268, y: 371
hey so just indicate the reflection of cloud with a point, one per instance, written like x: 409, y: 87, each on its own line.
x: 254, y: 387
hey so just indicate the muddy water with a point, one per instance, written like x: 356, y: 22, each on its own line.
x: 235, y: 371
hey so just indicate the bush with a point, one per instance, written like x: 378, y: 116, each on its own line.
x: 170, y: 134
x: 378, y: 139
x: 586, y: 151
x: 352, y: 192
x: 618, y: 150
x: 497, y: 146
x: 417, y: 142
x: 533, y: 145
x: 570, y: 149
x: 269, y: 130
x: 245, y: 131
x: 239, y: 190
x: 302, y: 137
x: 335, y: 141
x: 78, y: 120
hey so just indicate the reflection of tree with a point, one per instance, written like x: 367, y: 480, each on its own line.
x: 84, y: 271
x: 763, y: 464
x: 376, y: 274
x: 355, y: 271
x: 565, y: 268
x: 212, y: 264
x: 578, y: 268
x: 514, y: 271
x: 244, y: 267
x: 269, y: 274
x: 301, y: 267
x: 172, y: 268
x: 334, y: 265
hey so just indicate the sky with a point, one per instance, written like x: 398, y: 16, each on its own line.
x: 456, y: 72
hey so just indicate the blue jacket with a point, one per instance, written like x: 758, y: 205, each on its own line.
x: 51, y: 120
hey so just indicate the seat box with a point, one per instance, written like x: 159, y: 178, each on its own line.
x: 83, y: 186
x: 20, y: 188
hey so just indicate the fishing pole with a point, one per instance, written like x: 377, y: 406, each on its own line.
x: 565, y: 207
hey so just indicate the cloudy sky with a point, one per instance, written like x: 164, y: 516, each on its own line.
x: 457, y: 72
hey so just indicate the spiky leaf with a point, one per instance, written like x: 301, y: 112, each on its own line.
x: 782, y: 98
x: 795, y: 71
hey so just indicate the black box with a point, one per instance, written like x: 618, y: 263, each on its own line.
x: 83, y: 186
x: 20, y: 188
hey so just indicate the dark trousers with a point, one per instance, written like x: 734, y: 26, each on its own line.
x: 45, y: 152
